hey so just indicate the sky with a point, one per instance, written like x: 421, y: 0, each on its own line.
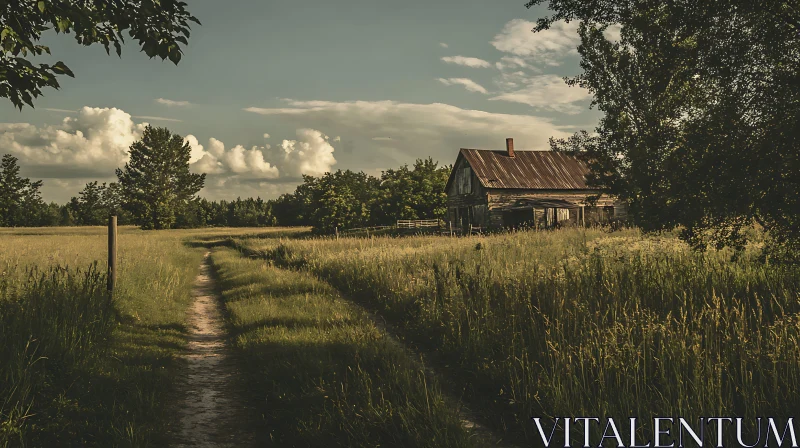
x: 270, y: 90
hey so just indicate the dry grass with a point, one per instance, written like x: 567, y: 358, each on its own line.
x: 322, y: 373
x: 581, y: 323
x: 77, y: 368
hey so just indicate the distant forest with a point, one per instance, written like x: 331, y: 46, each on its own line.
x: 343, y: 199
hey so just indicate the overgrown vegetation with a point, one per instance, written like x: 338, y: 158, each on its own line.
x: 158, y: 27
x: 579, y: 322
x: 701, y: 102
x: 322, y: 372
x: 80, y: 369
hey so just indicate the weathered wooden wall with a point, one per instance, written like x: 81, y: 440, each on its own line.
x: 469, y: 203
x: 466, y: 197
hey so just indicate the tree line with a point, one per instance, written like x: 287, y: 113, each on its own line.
x: 155, y: 190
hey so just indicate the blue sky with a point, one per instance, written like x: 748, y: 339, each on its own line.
x: 268, y: 91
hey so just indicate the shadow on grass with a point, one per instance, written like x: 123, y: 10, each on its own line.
x: 210, y: 243
x: 290, y: 324
x: 399, y: 319
x: 111, y: 398
x: 320, y: 373
x: 72, y: 373
x: 213, y: 241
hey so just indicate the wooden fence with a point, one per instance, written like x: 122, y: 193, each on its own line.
x: 405, y: 224
x: 418, y: 223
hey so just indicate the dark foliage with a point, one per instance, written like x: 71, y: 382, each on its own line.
x: 701, y: 104
x: 156, y: 184
x: 158, y: 26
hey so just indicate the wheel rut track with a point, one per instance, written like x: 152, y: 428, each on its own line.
x: 431, y: 362
x: 211, y: 408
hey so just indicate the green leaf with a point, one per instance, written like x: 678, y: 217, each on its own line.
x: 41, y: 6
x: 60, y: 68
x: 175, y: 55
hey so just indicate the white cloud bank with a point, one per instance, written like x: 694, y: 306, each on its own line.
x: 311, y: 153
x: 467, y: 61
x: 416, y: 130
x: 93, y: 143
x: 173, y: 103
x: 545, y: 47
x: 468, y: 84
x: 546, y: 92
x: 520, y: 78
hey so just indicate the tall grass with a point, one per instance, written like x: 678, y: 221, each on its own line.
x: 580, y: 322
x: 81, y: 369
x: 50, y: 324
x: 322, y: 372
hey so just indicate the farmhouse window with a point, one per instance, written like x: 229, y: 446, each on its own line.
x: 466, y: 180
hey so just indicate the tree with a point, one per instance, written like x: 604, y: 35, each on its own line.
x: 701, y: 104
x: 416, y: 193
x: 159, y: 26
x: 89, y: 209
x: 156, y: 183
x: 96, y: 202
x: 20, y: 200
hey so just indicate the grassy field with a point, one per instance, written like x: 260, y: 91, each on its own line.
x: 323, y: 372
x: 561, y: 323
x: 79, y: 368
x: 581, y: 323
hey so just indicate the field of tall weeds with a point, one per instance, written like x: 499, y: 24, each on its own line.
x: 578, y: 322
x: 321, y: 372
x: 80, y: 367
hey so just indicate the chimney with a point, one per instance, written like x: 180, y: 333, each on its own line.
x: 510, y: 147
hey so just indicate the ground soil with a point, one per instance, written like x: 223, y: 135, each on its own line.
x: 211, y: 408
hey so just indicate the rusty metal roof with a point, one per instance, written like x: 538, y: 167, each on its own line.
x: 535, y: 170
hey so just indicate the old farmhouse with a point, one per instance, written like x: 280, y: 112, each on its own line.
x: 540, y: 189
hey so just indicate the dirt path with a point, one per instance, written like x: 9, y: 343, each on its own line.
x: 212, y: 413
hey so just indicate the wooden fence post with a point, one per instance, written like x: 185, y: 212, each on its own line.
x: 336, y: 232
x: 112, y: 253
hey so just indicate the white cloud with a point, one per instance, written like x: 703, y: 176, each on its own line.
x: 197, y: 149
x: 546, y: 92
x: 237, y: 160
x: 466, y: 61
x: 172, y: 103
x: 444, y: 45
x: 417, y: 130
x: 66, y: 111
x: 250, y: 161
x: 511, y: 62
x: 468, y: 84
x: 149, y: 117
x: 310, y: 154
x: 548, y: 46
x: 93, y: 143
